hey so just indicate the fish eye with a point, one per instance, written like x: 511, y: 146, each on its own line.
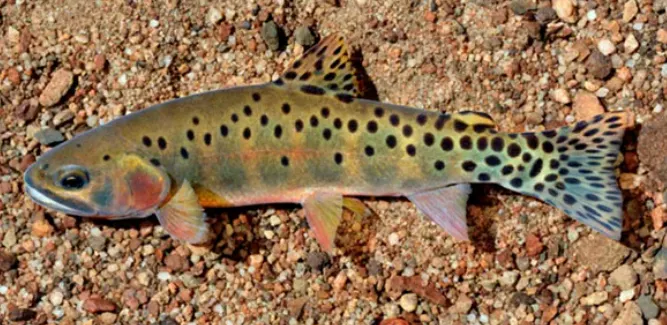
x: 72, y: 178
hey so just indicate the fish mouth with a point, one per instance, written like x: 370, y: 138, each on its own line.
x: 45, y: 198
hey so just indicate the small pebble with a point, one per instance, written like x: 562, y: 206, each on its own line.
x: 409, y: 302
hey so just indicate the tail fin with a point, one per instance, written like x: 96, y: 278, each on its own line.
x: 573, y: 170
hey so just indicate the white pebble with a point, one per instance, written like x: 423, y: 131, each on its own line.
x: 606, y: 46
x: 95, y: 232
x: 663, y: 71
x: 3, y: 290
x: 657, y: 109
x: 602, y: 92
x: 163, y: 276
x: 637, y: 26
x: 393, y: 239
x: 569, y: 119
x: 58, y: 313
x: 56, y: 298
x: 591, y: 15
x: 154, y: 23
x: 626, y: 295
x: 483, y: 318
x: 122, y: 80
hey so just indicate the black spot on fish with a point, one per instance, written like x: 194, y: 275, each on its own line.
x: 246, y: 133
x: 564, y: 157
x: 372, y: 126
x: 482, y: 143
x: 531, y: 140
x: 552, y: 192
x: 105, y: 158
x: 460, y: 126
x: 468, y: 166
x: 391, y: 141
x: 297, y: 64
x: 507, y: 169
x: 527, y: 157
x: 521, y: 168
x: 547, y: 147
x: 554, y: 164
x: 394, y: 120
x: 334, y: 64
x: 516, y: 182
x: 161, y: 143
x: 338, y: 123
x: 278, y: 82
x: 441, y: 120
x: 492, y: 161
x: 314, y: 122
x: 551, y: 177
x: 407, y: 130
x: 337, y: 50
x: 421, y: 119
x: 190, y: 135
x: 483, y: 177
x: 298, y: 125
x: 256, y: 97
x: 286, y: 108
x: 235, y: 118
x: 326, y: 134
x: 147, y: 141
x: 429, y: 139
x: 184, y: 153
x: 439, y: 165
x: 466, y: 142
x: 411, y: 150
x: 290, y: 75
x: 305, y: 76
x: 591, y: 132
x: 345, y: 98
x: 207, y: 139
x: 284, y: 161
x: 224, y: 130
x: 155, y: 162
x: 612, y: 119
x: 592, y: 197
x: 539, y: 187
x: 549, y: 134
x: 579, y: 127
x: 325, y: 112
x: 330, y: 76
x: 379, y: 112
x: 247, y: 110
x: 513, y: 150
x: 447, y: 144
x: 338, y: 158
x: 572, y: 181
x: 195, y: 120
x: 581, y: 146
x: 352, y: 126
x: 497, y: 144
x: 318, y: 64
x: 322, y: 51
x: 369, y: 151
x: 278, y: 131
x: 561, y: 139
x: 560, y: 185
x: 312, y: 90
x: 347, y: 77
x: 563, y: 171
x: 264, y: 120
x: 480, y: 128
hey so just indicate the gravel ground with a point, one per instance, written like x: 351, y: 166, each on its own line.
x: 67, y: 66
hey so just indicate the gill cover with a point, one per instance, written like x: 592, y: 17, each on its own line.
x: 135, y: 189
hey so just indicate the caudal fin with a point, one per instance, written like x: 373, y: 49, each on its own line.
x: 573, y: 170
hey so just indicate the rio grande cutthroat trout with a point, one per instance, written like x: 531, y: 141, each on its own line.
x: 306, y: 138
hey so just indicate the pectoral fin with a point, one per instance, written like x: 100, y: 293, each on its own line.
x: 447, y: 207
x: 324, y: 212
x: 183, y: 217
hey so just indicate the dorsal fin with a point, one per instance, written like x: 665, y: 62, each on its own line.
x: 326, y: 65
x: 479, y: 121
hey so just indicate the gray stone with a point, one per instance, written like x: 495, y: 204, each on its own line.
x: 648, y: 307
x: 304, y: 36
x: 271, y: 35
x: 317, y: 260
x: 520, y: 7
x: 598, y: 65
x: 97, y: 243
x: 545, y: 15
x: 49, y: 136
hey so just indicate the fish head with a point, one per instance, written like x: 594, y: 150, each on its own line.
x: 108, y: 185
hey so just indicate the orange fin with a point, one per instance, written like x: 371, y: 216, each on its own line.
x: 324, y: 212
x: 447, y: 207
x: 183, y: 218
x: 326, y: 65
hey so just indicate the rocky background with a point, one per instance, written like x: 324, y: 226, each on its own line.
x: 68, y: 66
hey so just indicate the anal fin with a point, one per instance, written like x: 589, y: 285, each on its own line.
x: 446, y: 207
x: 183, y: 217
x: 324, y: 212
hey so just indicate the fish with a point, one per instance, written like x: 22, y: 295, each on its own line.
x: 309, y: 138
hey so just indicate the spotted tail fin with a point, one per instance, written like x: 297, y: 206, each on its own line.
x: 572, y: 168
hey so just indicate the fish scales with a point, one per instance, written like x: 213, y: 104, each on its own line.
x: 306, y: 138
